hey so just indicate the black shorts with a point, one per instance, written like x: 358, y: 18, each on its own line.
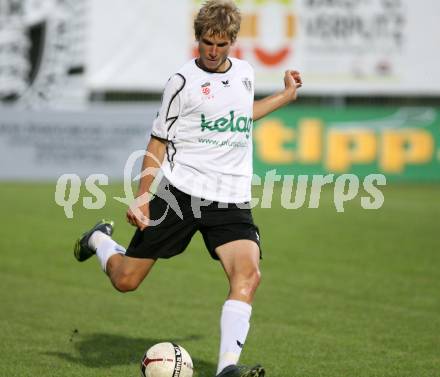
x: 219, y: 224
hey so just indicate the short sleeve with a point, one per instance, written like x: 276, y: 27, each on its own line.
x: 170, y: 108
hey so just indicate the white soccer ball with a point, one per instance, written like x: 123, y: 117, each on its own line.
x: 166, y: 360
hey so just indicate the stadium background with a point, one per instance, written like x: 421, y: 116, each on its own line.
x: 344, y: 294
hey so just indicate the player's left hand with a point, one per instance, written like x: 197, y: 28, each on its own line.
x: 292, y: 82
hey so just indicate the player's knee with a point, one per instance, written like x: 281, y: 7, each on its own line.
x: 247, y: 282
x: 255, y: 278
x: 126, y: 283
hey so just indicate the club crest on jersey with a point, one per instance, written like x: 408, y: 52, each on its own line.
x: 241, y: 124
x: 247, y: 84
x: 206, y: 90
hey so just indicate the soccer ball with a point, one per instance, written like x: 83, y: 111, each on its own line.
x: 166, y: 360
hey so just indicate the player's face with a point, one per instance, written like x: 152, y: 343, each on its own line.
x: 214, y: 51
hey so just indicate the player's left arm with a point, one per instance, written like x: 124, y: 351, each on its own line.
x: 264, y: 106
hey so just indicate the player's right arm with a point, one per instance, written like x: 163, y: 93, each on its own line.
x: 161, y: 134
x: 152, y: 161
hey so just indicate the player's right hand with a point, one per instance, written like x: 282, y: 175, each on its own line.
x: 138, y: 214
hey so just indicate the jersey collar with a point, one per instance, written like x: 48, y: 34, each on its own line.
x: 203, y: 69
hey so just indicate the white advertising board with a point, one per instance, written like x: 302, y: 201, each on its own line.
x: 59, y: 51
x: 340, y: 46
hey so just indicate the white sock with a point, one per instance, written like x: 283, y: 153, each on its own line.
x: 96, y: 238
x: 234, y: 326
x: 105, y: 247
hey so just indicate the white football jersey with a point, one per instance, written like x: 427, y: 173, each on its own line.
x: 207, y: 120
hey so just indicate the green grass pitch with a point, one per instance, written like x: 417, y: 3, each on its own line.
x: 353, y: 294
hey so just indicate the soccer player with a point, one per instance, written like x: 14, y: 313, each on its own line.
x: 201, y: 141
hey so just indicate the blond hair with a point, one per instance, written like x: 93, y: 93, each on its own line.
x: 218, y: 17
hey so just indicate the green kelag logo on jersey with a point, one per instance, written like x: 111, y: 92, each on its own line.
x: 241, y: 124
